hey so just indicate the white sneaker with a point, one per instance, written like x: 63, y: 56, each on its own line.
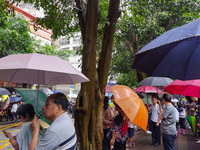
x: 197, y: 139
x: 148, y: 131
x: 198, y: 142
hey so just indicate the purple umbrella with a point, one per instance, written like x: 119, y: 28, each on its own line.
x: 39, y: 69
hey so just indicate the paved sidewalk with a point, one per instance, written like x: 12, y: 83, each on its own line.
x: 182, y: 142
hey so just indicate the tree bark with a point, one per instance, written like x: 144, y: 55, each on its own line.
x: 88, y: 112
x: 85, y: 105
x: 107, y: 44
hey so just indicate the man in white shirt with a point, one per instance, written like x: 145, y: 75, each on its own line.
x: 61, y: 135
x: 155, y: 109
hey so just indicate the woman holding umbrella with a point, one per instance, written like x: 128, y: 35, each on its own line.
x: 120, y: 129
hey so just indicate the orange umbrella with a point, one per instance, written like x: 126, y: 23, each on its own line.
x: 131, y: 104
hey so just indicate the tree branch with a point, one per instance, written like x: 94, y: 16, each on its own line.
x: 81, y: 15
x: 107, y: 44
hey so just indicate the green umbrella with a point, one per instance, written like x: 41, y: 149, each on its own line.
x: 192, y: 122
x: 30, y: 96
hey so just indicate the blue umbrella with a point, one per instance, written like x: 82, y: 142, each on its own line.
x: 15, y: 99
x: 57, y: 91
x: 4, y: 91
x: 174, y: 54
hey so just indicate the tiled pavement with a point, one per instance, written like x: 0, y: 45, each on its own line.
x: 182, y: 142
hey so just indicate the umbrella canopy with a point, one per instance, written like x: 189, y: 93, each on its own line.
x: 155, y: 81
x: 47, y: 91
x: 148, y: 89
x: 72, y: 95
x: 131, y: 104
x: 15, y: 99
x: 174, y: 54
x: 178, y: 96
x: 108, y: 94
x: 39, y: 69
x: 108, y: 90
x: 174, y: 100
x: 140, y: 95
x: 29, y: 96
x: 4, y: 91
x: 58, y: 91
x: 186, y: 88
x: 5, y: 102
x: 192, y: 122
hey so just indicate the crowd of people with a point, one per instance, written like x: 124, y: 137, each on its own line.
x: 186, y: 106
x: 119, y: 131
x: 8, y: 112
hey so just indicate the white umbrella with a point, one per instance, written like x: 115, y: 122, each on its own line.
x: 174, y: 100
x: 72, y: 95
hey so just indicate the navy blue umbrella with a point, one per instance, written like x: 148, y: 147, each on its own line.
x: 174, y: 54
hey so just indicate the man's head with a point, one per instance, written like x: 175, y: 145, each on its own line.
x: 154, y: 100
x: 56, y: 104
x: 166, y: 98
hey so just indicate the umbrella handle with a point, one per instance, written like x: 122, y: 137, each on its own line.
x: 37, y: 98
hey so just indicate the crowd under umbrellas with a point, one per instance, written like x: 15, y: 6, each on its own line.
x: 121, y: 92
x: 158, y: 58
x: 174, y: 54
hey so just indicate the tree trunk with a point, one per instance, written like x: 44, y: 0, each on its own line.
x: 139, y: 76
x: 85, y: 105
x: 88, y: 112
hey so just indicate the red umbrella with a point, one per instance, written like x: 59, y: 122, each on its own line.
x: 148, y: 89
x: 187, y: 88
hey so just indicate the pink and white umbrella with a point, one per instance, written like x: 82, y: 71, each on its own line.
x: 108, y: 90
x: 148, y: 89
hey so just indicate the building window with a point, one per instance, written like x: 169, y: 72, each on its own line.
x: 64, y: 41
x: 77, y: 39
x: 76, y: 49
x: 66, y: 48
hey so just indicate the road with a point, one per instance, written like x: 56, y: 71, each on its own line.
x: 13, y: 128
